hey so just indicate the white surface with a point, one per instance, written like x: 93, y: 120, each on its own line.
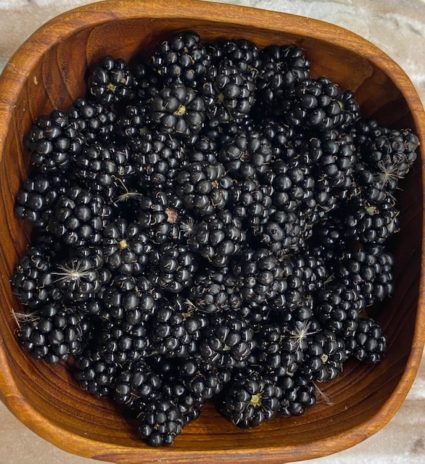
x: 398, y: 27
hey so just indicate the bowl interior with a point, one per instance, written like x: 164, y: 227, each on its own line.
x: 359, y: 392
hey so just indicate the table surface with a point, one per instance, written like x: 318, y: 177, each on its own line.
x: 394, y: 25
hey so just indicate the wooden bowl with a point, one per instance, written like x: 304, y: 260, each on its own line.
x: 48, y: 72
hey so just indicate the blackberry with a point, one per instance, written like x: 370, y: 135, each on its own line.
x: 178, y: 110
x: 217, y: 237
x: 203, y: 187
x: 282, y: 139
x: 181, y: 59
x: 314, y: 271
x: 369, y: 186
x: 162, y: 216
x: 324, y: 355
x: 136, y: 383
x: 370, y: 270
x: 173, y: 267
x: 330, y: 235
x: 111, y: 81
x: 133, y: 124
x: 204, y: 150
x: 368, y: 344
x: 54, y: 334
x: 227, y: 342
x: 250, y: 399
x: 246, y: 155
x: 94, y: 374
x: 79, y: 217
x: 158, y: 159
x: 148, y: 82
x: 125, y: 247
x: 297, y: 395
x: 229, y: 94
x: 54, y: 142
x: 338, y: 308
x: 37, y: 196
x: 160, y: 422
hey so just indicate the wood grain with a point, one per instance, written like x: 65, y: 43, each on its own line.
x: 47, y: 72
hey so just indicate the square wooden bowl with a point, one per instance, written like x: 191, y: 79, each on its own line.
x: 48, y: 72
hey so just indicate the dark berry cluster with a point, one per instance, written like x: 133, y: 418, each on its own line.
x: 208, y: 224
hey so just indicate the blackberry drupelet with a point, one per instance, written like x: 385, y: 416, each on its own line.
x: 368, y: 344
x: 297, y: 395
x: 182, y: 59
x: 178, y: 110
x: 111, y: 81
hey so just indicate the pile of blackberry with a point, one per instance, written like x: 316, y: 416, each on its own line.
x: 209, y: 223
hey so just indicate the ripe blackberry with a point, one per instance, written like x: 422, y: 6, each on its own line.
x: 217, y: 237
x: 133, y: 124
x: 203, y: 187
x: 162, y: 216
x: 181, y: 59
x: 368, y: 344
x: 174, y: 328
x: 338, y: 307
x: 227, y: 342
x: 160, y: 422
x: 320, y: 104
x: 94, y: 374
x: 136, y: 383
x: 111, y: 81
x: 79, y: 217
x: 324, y: 355
x: 54, y: 334
x: 369, y: 269
x: 178, y: 110
x: 157, y: 160
x: 53, y: 142
x: 285, y: 145
x: 246, y: 155
x: 298, y: 394
x: 229, y: 93
x: 250, y: 399
x: 126, y: 248
x: 173, y: 267
x: 96, y: 122
x: 148, y: 82
x: 330, y: 235
x: 371, y: 223
x: 369, y: 186
x: 32, y: 280
x: 130, y: 299
x: 314, y: 271
x: 204, y: 150
x: 100, y: 167
x: 37, y: 196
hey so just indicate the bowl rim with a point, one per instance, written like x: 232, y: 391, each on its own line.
x: 14, y: 77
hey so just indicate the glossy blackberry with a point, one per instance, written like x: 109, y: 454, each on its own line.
x: 371, y: 270
x: 204, y: 150
x: 320, y: 104
x: 136, y: 383
x: 174, y: 328
x: 330, y: 235
x: 157, y: 160
x: 203, y: 187
x: 111, y: 81
x: 324, y: 355
x: 54, y: 334
x: 369, y: 186
x: 298, y: 394
x: 178, y: 110
x: 368, y: 344
x: 96, y: 122
x: 160, y: 422
x: 162, y: 216
x: 148, y: 83
x: 181, y: 59
x: 94, y: 374
x: 173, y: 267
x: 100, y: 168
x: 338, y: 307
x: 133, y: 124
x: 285, y: 145
x: 250, y: 399
x: 125, y: 247
x: 53, y: 142
x: 32, y: 279
x: 229, y: 94
x: 79, y: 217
x: 245, y: 155
x: 37, y: 196
x: 314, y: 271
x: 371, y: 223
x: 227, y: 342
x: 217, y: 237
